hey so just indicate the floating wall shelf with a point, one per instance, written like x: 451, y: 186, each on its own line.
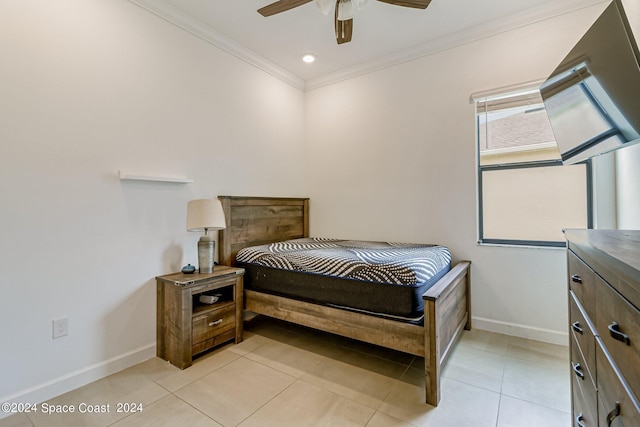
x: 130, y: 177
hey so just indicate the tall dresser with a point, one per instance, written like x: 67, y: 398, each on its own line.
x: 604, y: 326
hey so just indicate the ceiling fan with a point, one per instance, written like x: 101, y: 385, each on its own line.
x: 343, y: 16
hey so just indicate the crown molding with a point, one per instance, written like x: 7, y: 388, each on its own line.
x: 530, y: 16
x: 546, y: 11
x: 190, y: 24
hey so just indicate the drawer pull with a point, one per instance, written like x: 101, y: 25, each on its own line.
x: 580, y: 420
x: 577, y: 369
x: 613, y: 414
x: 576, y: 278
x: 614, y: 331
x: 216, y: 323
x: 576, y: 327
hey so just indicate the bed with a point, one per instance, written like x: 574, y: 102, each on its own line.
x: 258, y: 221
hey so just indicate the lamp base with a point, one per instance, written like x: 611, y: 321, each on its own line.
x: 206, y: 249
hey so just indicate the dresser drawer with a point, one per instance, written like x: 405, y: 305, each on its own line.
x: 581, y: 330
x: 583, y: 389
x: 213, y: 323
x: 616, y: 406
x: 618, y: 324
x: 582, y: 283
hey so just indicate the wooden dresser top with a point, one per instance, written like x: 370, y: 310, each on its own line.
x: 613, y: 254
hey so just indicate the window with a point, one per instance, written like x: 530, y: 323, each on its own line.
x: 525, y: 195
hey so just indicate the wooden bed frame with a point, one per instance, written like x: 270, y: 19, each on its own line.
x: 260, y: 220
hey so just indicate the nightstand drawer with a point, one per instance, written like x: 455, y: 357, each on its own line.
x: 213, y: 323
x: 212, y: 342
x: 582, y: 283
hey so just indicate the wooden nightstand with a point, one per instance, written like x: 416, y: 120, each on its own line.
x: 185, y: 326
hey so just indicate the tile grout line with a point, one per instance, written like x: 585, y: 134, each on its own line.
x: 274, y: 396
x: 182, y: 400
x: 504, y: 370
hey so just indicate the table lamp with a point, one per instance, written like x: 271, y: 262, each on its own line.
x: 205, y: 214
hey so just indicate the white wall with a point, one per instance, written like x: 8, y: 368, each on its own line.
x: 392, y: 156
x: 88, y: 88
x: 628, y: 187
x: 605, y: 200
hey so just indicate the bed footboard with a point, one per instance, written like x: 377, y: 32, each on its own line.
x: 447, y: 311
x: 405, y: 337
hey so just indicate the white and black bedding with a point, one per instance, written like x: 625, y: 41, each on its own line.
x: 386, y: 279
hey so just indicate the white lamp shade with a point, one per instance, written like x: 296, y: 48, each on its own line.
x: 205, y: 214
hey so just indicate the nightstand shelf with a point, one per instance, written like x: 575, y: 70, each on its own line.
x: 186, y: 326
x: 204, y: 308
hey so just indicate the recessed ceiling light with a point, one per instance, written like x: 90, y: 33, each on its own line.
x: 308, y: 58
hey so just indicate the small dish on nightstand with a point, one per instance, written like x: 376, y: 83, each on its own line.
x: 188, y: 269
x: 209, y: 299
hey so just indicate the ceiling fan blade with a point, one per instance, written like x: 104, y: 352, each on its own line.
x: 344, y: 29
x: 418, y: 4
x: 281, y: 6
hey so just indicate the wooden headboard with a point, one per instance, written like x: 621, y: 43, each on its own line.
x: 255, y: 221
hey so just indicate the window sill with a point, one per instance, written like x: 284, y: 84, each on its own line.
x: 521, y: 246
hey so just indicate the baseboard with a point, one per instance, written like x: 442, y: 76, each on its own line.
x: 522, y: 331
x: 79, y: 378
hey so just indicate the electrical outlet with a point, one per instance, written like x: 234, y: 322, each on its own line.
x: 60, y: 327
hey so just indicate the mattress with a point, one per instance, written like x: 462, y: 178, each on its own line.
x: 381, y: 278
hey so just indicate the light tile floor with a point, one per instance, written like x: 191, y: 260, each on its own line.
x: 285, y: 375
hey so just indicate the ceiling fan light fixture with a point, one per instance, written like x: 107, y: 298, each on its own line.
x: 360, y: 4
x: 324, y: 5
x: 345, y: 10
